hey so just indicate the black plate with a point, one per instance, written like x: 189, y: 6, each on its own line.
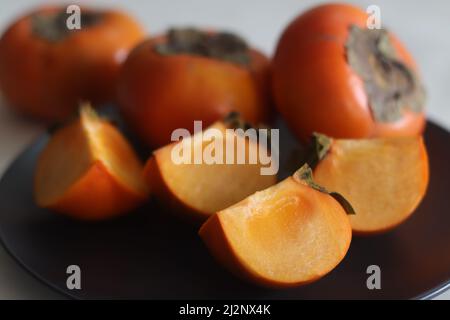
x: 150, y: 254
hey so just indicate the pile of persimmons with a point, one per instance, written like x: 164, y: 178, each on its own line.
x: 352, y: 94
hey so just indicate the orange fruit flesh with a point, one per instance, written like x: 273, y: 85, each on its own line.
x: 383, y: 179
x: 88, y: 148
x: 208, y: 188
x: 287, y: 235
x: 110, y: 147
x: 64, y: 160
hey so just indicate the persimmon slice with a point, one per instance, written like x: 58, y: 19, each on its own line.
x: 197, y: 190
x: 287, y: 235
x: 89, y: 171
x: 384, y: 179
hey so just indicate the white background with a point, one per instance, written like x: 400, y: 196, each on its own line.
x: 422, y: 25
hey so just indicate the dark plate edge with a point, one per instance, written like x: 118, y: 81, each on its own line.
x: 10, y: 253
x: 35, y: 275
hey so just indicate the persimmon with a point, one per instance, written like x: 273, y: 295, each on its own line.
x: 384, y: 179
x: 197, y: 189
x: 89, y: 171
x: 46, y: 68
x: 332, y: 74
x: 169, y: 81
x: 290, y: 234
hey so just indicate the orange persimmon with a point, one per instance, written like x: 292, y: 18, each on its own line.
x: 384, y: 179
x: 287, y: 235
x: 89, y: 171
x: 47, y: 68
x: 197, y: 190
x: 332, y: 74
x: 169, y: 81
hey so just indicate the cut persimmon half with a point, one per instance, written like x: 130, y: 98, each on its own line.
x: 197, y: 189
x: 89, y: 171
x: 384, y: 179
x: 290, y: 234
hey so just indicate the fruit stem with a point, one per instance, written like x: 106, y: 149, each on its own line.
x: 319, y: 147
x: 304, y: 175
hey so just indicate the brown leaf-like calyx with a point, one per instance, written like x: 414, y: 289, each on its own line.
x: 391, y: 85
x: 318, y: 148
x: 304, y: 174
x: 235, y: 121
x: 52, y: 26
x: 221, y: 45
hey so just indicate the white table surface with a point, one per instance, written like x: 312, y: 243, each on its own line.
x: 422, y: 25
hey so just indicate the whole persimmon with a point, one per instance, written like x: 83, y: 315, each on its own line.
x: 169, y: 81
x: 46, y: 68
x: 333, y: 74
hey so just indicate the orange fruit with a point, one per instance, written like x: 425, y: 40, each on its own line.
x: 384, y: 179
x: 199, y: 190
x: 89, y: 171
x: 287, y: 235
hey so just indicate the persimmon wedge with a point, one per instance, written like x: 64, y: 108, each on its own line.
x: 89, y: 171
x: 197, y: 190
x: 287, y: 235
x: 384, y: 179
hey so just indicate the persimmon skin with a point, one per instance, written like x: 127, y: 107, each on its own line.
x: 46, y: 80
x: 106, y: 197
x: 159, y: 93
x: 316, y: 90
x: 159, y: 188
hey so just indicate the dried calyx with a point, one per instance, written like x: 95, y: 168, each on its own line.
x: 304, y: 175
x: 221, y: 45
x: 52, y: 26
x: 234, y: 121
x: 391, y: 86
x: 318, y: 148
x: 310, y: 154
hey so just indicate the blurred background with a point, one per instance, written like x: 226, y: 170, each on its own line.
x: 423, y: 27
